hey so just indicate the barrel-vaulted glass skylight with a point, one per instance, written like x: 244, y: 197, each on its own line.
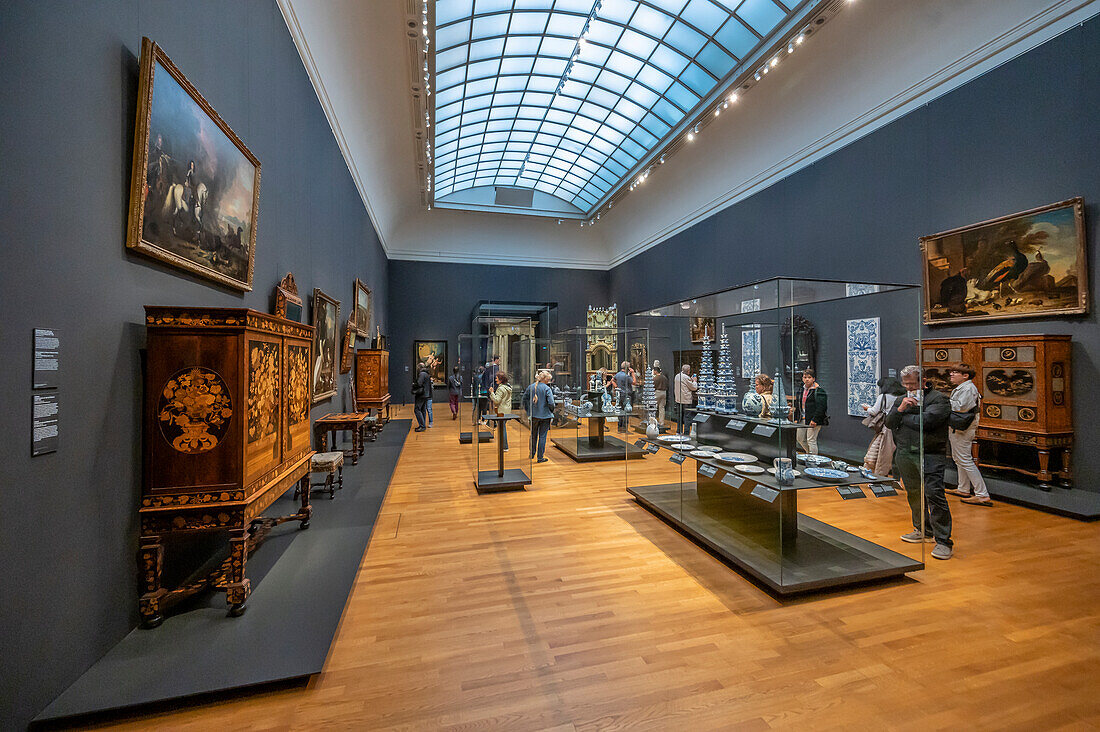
x: 567, y: 96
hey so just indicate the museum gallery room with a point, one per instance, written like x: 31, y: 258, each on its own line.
x: 759, y: 334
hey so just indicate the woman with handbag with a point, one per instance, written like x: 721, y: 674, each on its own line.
x: 880, y: 453
x: 962, y: 427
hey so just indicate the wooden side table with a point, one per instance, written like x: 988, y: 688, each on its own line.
x: 353, y: 422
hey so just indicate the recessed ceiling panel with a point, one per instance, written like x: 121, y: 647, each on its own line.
x: 578, y: 91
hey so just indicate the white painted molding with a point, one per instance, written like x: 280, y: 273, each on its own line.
x: 286, y: 7
x: 513, y: 261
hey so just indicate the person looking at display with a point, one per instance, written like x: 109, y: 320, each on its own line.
x: 501, y: 397
x: 454, y: 391
x: 422, y: 394
x: 879, y: 458
x: 964, y: 402
x: 660, y: 388
x: 538, y: 402
x: 810, y: 409
x: 478, y: 395
x: 625, y: 384
x: 923, y: 411
x: 488, y: 377
x: 685, y: 387
x: 762, y: 385
x: 431, y: 362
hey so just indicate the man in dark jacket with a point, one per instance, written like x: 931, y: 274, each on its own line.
x: 625, y: 386
x: 923, y: 411
x: 422, y: 394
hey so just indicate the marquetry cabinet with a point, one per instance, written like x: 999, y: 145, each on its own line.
x: 1025, y: 381
x: 226, y: 433
x: 372, y: 381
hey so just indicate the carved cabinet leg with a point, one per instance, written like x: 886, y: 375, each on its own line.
x: 150, y: 564
x: 306, y: 511
x: 1044, y: 466
x: 237, y: 588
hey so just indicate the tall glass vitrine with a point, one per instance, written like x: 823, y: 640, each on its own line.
x: 764, y: 458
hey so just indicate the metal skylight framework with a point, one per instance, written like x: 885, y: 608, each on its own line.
x: 566, y: 97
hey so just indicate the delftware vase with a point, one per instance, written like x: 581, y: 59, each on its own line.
x: 784, y: 472
x: 652, y: 431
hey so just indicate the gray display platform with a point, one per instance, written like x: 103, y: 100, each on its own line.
x: 300, y: 584
x: 493, y: 481
x: 466, y: 438
x: 580, y: 450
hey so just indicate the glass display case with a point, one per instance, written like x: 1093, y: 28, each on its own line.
x: 601, y: 409
x: 497, y: 465
x: 763, y: 459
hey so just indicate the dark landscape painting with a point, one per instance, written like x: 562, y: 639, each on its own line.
x: 1024, y: 265
x: 195, y: 181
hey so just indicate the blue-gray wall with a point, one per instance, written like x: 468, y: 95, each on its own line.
x: 68, y: 94
x: 1023, y: 135
x: 431, y: 301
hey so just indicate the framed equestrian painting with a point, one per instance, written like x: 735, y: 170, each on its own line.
x: 1025, y: 265
x: 326, y: 319
x: 362, y: 311
x: 195, y: 187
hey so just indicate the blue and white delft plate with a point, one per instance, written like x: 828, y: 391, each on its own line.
x: 808, y: 459
x: 829, y: 475
x: 673, y: 438
x: 735, y: 457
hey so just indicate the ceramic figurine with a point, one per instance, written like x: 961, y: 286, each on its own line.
x: 605, y: 402
x: 652, y: 431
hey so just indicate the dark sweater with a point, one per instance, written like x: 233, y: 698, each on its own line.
x: 817, y: 405
x: 425, y: 382
x: 906, y: 425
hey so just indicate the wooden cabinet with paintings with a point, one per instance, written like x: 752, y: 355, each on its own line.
x: 227, y: 432
x: 372, y: 381
x: 1026, y: 413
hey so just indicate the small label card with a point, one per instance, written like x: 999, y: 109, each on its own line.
x: 652, y: 449
x: 737, y: 424
x: 44, y: 436
x: 46, y: 344
x: 763, y: 430
x: 848, y: 492
x: 883, y: 489
x: 733, y: 481
x: 707, y: 470
x: 639, y: 443
x: 700, y: 418
x: 678, y: 459
x: 765, y: 493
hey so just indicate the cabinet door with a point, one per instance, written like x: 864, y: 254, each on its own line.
x: 298, y: 398
x: 264, y: 416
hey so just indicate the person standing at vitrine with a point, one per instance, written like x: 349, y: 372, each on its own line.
x: 660, y: 388
x: 810, y: 408
x: 454, y: 391
x: 685, y: 387
x: 538, y: 402
x: 964, y: 404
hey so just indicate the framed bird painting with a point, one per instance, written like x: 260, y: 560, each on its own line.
x: 1024, y: 265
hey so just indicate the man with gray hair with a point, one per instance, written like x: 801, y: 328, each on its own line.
x: 923, y: 412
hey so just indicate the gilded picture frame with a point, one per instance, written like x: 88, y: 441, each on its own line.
x: 1024, y: 265
x: 362, y: 308
x: 434, y: 354
x: 194, y: 185
x: 348, y: 349
x: 698, y: 327
x: 326, y: 317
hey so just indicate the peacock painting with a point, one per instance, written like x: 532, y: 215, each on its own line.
x: 1023, y: 265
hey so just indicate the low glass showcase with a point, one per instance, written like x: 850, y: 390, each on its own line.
x: 762, y: 457
x: 600, y: 405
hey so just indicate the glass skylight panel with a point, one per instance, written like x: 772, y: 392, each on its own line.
x: 511, y: 77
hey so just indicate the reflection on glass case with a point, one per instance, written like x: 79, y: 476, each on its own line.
x: 758, y: 458
x: 602, y: 407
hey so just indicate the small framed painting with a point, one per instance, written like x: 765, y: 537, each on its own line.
x: 699, y: 327
x: 434, y: 354
x: 326, y: 317
x: 348, y: 350
x: 362, y: 312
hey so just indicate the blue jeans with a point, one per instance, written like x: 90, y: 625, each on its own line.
x: 420, y: 409
x: 430, y: 413
x: 539, y: 429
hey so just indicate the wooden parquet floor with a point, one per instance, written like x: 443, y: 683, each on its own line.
x: 569, y: 607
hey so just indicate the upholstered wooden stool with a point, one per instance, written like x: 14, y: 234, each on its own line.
x: 331, y: 464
